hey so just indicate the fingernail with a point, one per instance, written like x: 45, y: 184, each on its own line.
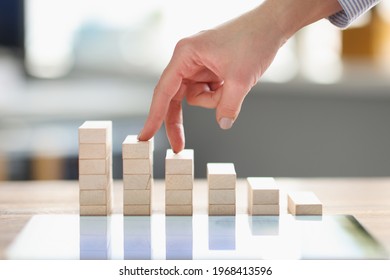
x: 139, y: 135
x: 225, y: 123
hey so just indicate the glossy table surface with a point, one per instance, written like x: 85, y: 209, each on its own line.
x: 367, y: 199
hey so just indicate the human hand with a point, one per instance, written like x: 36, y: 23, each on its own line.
x: 217, y: 68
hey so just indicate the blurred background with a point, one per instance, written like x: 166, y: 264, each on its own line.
x: 322, y: 109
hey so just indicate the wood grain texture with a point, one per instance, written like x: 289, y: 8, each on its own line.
x: 221, y: 176
x: 134, y: 149
x: 95, y: 132
x: 94, y: 151
x: 93, y: 197
x: 222, y: 196
x: 222, y: 210
x: 137, y: 166
x: 94, y: 182
x: 94, y: 210
x: 137, y: 210
x: 137, y: 181
x: 259, y: 210
x: 181, y: 163
x: 304, y: 203
x: 178, y: 197
x: 178, y: 210
x: 136, y: 197
x: 262, y: 190
x: 179, y: 182
x: 94, y: 166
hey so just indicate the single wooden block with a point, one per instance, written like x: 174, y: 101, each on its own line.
x: 178, y: 210
x: 181, y: 163
x: 95, y: 132
x: 94, y: 182
x: 272, y: 209
x: 94, y: 210
x: 262, y: 190
x: 93, y: 151
x: 304, y: 203
x: 179, y: 182
x: 132, y: 148
x: 222, y: 210
x: 94, y: 166
x: 178, y: 197
x: 137, y: 210
x: 137, y: 166
x: 222, y: 197
x: 221, y: 176
x: 93, y: 197
x: 137, y: 182
x: 136, y: 197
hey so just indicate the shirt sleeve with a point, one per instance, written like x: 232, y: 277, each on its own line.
x: 352, y: 9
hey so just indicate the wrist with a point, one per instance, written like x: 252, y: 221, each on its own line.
x: 292, y: 15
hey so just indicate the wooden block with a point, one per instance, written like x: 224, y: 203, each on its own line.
x: 136, y: 197
x: 95, y: 132
x: 181, y: 163
x: 132, y: 148
x: 178, y: 197
x: 94, y: 210
x: 178, y: 210
x: 93, y: 151
x: 272, y: 209
x: 222, y: 210
x: 222, y: 196
x: 137, y: 166
x: 262, y: 190
x: 94, y: 182
x: 179, y: 182
x: 137, y: 182
x: 137, y: 210
x: 93, y: 197
x: 94, y: 166
x: 221, y: 176
x: 304, y: 203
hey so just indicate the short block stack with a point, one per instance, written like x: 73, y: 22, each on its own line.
x: 304, y: 203
x: 221, y: 178
x: 95, y: 168
x: 137, y: 176
x: 179, y: 181
x: 263, y: 196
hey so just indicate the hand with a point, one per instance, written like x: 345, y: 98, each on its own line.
x: 217, y: 68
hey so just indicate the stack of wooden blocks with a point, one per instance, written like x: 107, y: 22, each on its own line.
x: 137, y: 176
x: 263, y: 196
x: 95, y: 168
x: 179, y: 181
x: 221, y: 178
x: 304, y: 203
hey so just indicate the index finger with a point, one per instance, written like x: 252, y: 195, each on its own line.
x: 166, y: 89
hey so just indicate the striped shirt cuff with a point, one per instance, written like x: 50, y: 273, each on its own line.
x: 352, y: 9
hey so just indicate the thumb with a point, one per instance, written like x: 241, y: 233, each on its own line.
x: 229, y: 106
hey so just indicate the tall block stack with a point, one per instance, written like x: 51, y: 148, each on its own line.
x: 95, y: 168
x: 137, y: 176
x: 263, y: 196
x: 221, y: 178
x: 179, y: 181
